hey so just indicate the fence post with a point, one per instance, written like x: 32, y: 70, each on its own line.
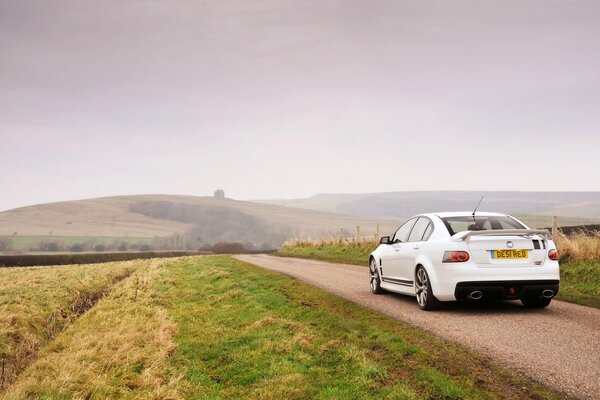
x: 377, y: 234
x: 554, y: 227
x: 341, y: 234
x: 357, y: 233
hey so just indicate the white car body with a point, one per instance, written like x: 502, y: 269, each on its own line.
x: 536, y: 275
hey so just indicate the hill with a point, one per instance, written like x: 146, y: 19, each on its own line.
x: 573, y: 207
x: 207, y: 219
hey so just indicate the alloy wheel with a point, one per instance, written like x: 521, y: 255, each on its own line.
x: 421, y: 285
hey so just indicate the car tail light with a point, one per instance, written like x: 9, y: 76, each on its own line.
x: 553, y: 254
x: 455, y: 256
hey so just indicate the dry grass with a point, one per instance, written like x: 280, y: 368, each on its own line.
x: 36, y: 304
x: 583, y: 246
x: 119, y: 349
x: 579, y: 247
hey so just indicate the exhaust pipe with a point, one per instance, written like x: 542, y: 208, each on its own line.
x: 476, y: 295
x: 548, y: 294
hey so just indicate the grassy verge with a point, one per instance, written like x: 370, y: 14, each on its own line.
x: 580, y: 282
x: 38, y: 303
x: 245, y: 332
x: 580, y: 279
x: 344, y: 253
x: 217, y: 328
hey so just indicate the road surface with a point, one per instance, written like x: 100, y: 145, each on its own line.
x: 559, y: 345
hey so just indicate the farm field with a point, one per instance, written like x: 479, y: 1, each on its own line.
x: 30, y: 243
x: 580, y: 265
x: 213, y: 327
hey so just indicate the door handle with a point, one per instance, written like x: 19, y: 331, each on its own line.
x: 396, y: 249
x: 416, y: 247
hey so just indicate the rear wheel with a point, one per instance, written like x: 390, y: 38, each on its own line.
x: 375, y: 280
x: 425, y: 297
x: 535, y: 302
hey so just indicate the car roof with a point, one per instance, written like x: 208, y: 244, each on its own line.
x: 446, y: 214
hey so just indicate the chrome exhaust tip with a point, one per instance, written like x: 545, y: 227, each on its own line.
x: 475, y: 295
x: 548, y: 294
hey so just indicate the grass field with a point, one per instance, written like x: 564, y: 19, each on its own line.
x: 580, y: 272
x: 217, y: 328
x: 36, y: 304
x: 28, y: 243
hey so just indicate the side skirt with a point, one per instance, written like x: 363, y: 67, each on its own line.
x: 397, y: 288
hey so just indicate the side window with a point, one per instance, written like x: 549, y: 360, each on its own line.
x: 419, y: 230
x: 402, y: 233
x: 428, y: 231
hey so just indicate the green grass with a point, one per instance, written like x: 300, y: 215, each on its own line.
x: 345, y: 254
x: 245, y: 332
x: 217, y: 328
x: 26, y: 243
x: 580, y: 280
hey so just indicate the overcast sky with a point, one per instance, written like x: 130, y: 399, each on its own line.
x: 283, y: 99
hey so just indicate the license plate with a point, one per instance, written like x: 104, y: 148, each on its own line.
x: 504, y: 254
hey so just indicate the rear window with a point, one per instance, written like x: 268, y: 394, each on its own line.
x: 479, y: 223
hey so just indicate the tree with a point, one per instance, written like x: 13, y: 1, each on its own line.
x: 99, y: 247
x: 122, y: 247
x: 6, y: 244
x: 77, y: 247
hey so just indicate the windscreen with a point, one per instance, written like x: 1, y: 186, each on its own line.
x: 479, y: 223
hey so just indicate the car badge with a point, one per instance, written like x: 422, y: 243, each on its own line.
x: 509, y: 244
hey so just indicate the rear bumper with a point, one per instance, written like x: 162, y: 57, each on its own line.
x: 506, y: 290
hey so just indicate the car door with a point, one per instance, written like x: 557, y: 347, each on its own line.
x: 396, y: 251
x: 412, y: 247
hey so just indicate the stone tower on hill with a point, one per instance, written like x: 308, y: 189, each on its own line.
x: 219, y: 194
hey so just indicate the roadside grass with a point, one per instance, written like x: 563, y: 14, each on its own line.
x: 245, y: 332
x: 344, y: 253
x: 38, y: 303
x: 217, y: 328
x: 579, y: 267
x: 580, y: 283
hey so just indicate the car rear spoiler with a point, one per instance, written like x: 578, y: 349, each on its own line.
x: 501, y: 232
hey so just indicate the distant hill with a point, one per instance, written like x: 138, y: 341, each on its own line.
x: 574, y: 207
x: 207, y: 219
x: 191, y: 221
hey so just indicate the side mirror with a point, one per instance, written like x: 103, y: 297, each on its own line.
x: 385, y: 240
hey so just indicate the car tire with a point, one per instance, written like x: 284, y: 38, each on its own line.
x: 374, y: 278
x: 535, y: 302
x: 425, y: 297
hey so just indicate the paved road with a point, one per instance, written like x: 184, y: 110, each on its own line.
x: 559, y: 345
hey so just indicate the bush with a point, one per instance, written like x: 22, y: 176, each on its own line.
x: 100, y: 247
x: 122, y: 247
x: 145, y: 247
x: 77, y: 248
x: 228, y: 248
x: 52, y: 247
x: 6, y: 244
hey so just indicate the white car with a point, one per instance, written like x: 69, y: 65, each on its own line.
x: 467, y: 256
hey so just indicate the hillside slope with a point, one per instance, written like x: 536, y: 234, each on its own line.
x: 165, y: 215
x: 575, y: 207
